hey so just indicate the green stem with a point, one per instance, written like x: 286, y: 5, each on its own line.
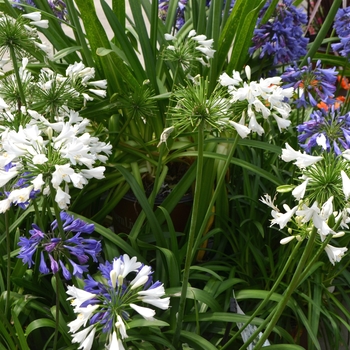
x: 8, y: 280
x: 22, y: 101
x: 290, y: 289
x: 192, y: 234
x: 57, y: 311
x: 267, y: 298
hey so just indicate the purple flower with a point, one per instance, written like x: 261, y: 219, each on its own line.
x: 311, y: 83
x: 282, y: 36
x: 72, y: 249
x: 180, y: 13
x: 326, y: 129
x: 342, y: 28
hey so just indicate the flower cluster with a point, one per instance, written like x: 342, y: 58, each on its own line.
x: 328, y: 129
x: 20, y: 35
x: 342, y: 28
x: 53, y: 93
x: 305, y: 218
x: 196, y: 48
x: 180, y: 12
x: 54, y: 155
x: 321, y: 176
x: 60, y: 251
x: 281, y: 37
x: 258, y: 98
x: 107, y: 302
x: 311, y: 83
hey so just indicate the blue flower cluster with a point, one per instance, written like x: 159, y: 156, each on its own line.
x: 326, y: 128
x: 59, y: 251
x: 282, y: 36
x: 342, y: 28
x: 312, y: 83
x: 180, y: 15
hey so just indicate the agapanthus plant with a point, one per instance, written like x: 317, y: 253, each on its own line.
x: 69, y: 253
x: 311, y: 83
x: 108, y: 302
x: 281, y: 37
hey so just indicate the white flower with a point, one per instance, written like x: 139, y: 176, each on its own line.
x: 38, y: 182
x: 84, y: 314
x: 156, y: 292
x: 308, y: 213
x: 141, y: 278
x: 100, y: 93
x: 299, y: 191
x: 169, y: 37
x: 5, y: 205
x: 248, y: 72
x: 302, y: 160
x: 145, y: 312
x: 346, y: 184
x: 44, y: 23
x: 289, y: 154
x: 322, y: 141
x: 282, y: 219
x: 40, y: 159
x: 33, y: 16
x: 161, y: 303
x: 128, y: 265
x: 62, y: 173
x: 20, y: 195
x: 165, y: 134
x: 286, y: 239
x: 327, y: 208
x: 115, y: 343
x: 206, y: 51
x: 96, y: 173
x: 281, y: 122
x: 242, y: 130
x: 86, y: 344
x: 78, y: 296
x: 6, y: 176
x: 62, y: 198
x: 269, y: 201
x: 322, y: 227
x: 102, y: 84
x: 335, y: 253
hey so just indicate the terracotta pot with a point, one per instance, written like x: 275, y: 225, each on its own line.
x: 128, y: 209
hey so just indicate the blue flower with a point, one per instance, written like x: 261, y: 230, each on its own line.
x: 72, y: 250
x: 282, y: 36
x: 327, y: 129
x: 342, y: 28
x: 312, y: 84
x: 180, y: 13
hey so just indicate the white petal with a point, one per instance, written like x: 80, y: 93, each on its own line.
x: 145, y: 312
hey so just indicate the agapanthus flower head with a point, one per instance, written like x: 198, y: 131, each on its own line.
x: 57, y: 155
x: 258, y: 99
x: 107, y: 303
x: 281, y: 37
x: 303, y: 218
x: 69, y: 251
x: 327, y: 130
x: 320, y: 177
x: 20, y: 35
x: 312, y: 84
x: 187, y: 53
x: 342, y: 29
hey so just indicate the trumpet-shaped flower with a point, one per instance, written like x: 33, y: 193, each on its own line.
x: 335, y: 253
x: 110, y: 301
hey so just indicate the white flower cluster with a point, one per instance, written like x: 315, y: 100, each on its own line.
x: 183, y: 52
x: 264, y: 98
x: 50, y: 154
x: 310, y: 216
